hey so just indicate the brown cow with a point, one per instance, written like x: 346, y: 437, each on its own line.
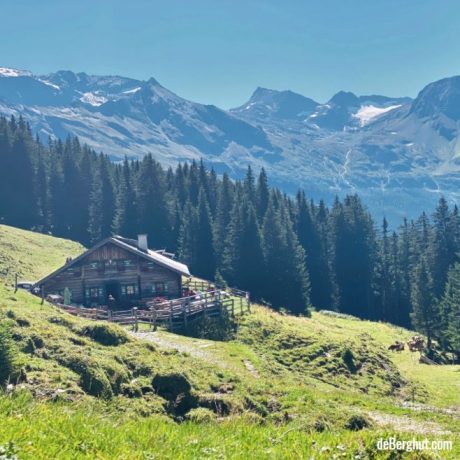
x: 397, y: 346
x: 416, y: 343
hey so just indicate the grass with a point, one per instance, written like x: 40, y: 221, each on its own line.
x: 44, y: 431
x: 283, y: 387
x: 32, y: 255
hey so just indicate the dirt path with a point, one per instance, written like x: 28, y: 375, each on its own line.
x: 195, y: 348
x: 407, y: 424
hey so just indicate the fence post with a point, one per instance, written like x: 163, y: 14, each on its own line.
x: 184, y: 313
x: 134, y: 313
x: 170, y: 316
x: 154, y: 319
x: 15, y: 283
x: 248, y: 297
x: 233, y: 308
x: 42, y: 289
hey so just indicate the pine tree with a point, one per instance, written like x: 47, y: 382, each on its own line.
x: 249, y: 186
x: 41, y: 190
x: 22, y: 204
x: 449, y: 312
x: 153, y: 210
x: 386, y: 297
x: 404, y: 269
x: 353, y: 247
x: 243, y: 262
x: 262, y: 194
x: 442, y: 250
x: 102, y: 205
x: 425, y: 315
x: 125, y: 221
x: 187, y: 235
x: 205, y: 264
x: 316, y: 261
x: 222, y: 220
x: 286, y: 278
x: 5, y: 162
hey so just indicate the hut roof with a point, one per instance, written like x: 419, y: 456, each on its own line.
x: 159, y: 257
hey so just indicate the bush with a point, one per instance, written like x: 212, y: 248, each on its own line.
x: 349, y: 360
x: 220, y: 404
x: 170, y: 386
x: 220, y: 328
x: 35, y: 342
x: 201, y: 415
x: 357, y: 423
x: 93, y: 379
x: 176, y: 389
x: 8, y: 353
x: 131, y: 389
x: 105, y: 334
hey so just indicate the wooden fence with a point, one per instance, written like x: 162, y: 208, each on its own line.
x: 172, y: 314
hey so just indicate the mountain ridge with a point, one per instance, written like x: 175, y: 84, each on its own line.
x: 400, y: 154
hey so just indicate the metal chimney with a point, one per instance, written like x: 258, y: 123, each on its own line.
x: 142, y: 242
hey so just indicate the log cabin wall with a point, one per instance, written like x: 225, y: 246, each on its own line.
x: 111, y: 270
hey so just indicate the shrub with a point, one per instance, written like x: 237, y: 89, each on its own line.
x: 201, y: 415
x: 105, y: 334
x: 93, y: 379
x: 176, y: 389
x: 131, y: 389
x: 8, y: 353
x: 170, y: 386
x: 221, y: 328
x: 349, y: 360
x: 220, y: 404
x: 35, y: 342
x: 357, y: 423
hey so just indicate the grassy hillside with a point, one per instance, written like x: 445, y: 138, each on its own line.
x: 32, y: 255
x: 283, y: 387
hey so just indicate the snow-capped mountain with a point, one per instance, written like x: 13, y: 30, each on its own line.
x: 398, y: 154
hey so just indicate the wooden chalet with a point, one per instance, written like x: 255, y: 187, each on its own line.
x: 117, y: 272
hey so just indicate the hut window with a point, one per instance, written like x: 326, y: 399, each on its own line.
x: 94, y: 293
x: 99, y: 266
x: 111, y: 265
x: 129, y: 290
x: 147, y: 266
x: 159, y: 288
x: 121, y: 265
x: 74, y: 271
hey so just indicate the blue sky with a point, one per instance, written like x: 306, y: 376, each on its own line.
x: 219, y: 51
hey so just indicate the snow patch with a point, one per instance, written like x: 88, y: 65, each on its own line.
x: 368, y: 112
x: 48, y: 83
x: 132, y: 91
x: 93, y: 99
x: 8, y: 72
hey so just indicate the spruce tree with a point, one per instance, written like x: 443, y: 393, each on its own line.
x: 449, y: 313
x: 262, y: 194
x: 286, y: 277
x: 152, y: 205
x: 425, y: 314
x: 205, y: 264
x: 125, y: 221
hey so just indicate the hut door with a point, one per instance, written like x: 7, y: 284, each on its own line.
x: 112, y: 292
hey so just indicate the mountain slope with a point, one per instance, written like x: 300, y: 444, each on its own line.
x: 399, y: 155
x: 32, y: 255
x: 280, y: 374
